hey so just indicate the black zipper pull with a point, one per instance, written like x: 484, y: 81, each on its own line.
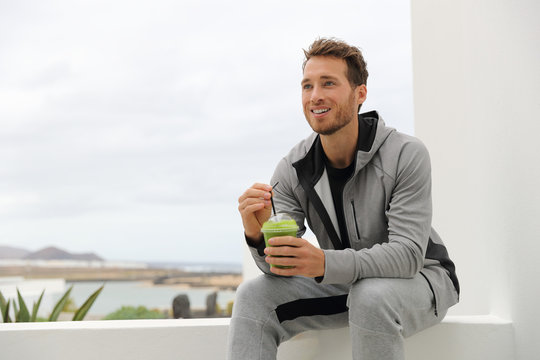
x: 355, y: 221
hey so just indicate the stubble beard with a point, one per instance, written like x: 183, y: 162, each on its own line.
x: 344, y: 115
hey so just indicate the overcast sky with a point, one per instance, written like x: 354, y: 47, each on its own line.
x: 130, y: 128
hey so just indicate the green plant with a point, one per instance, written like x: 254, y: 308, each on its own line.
x: 22, y: 313
x: 83, y: 310
x: 229, y: 308
x: 70, y: 306
x: 131, y: 313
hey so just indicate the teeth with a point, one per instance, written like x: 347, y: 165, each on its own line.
x: 320, y: 111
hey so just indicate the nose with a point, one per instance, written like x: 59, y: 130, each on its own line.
x: 316, y: 95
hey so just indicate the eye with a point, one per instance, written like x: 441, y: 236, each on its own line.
x: 329, y: 83
x: 306, y: 86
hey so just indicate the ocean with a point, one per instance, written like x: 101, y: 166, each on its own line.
x: 135, y: 293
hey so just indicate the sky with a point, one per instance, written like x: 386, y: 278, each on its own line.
x: 130, y: 128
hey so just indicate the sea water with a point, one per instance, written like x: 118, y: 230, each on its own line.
x: 116, y: 294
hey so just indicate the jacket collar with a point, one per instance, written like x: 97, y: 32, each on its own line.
x: 311, y: 167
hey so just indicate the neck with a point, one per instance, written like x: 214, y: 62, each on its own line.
x: 340, y: 147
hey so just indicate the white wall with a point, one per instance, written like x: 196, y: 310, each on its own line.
x: 477, y: 108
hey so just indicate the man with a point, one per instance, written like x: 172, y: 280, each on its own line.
x: 365, y: 191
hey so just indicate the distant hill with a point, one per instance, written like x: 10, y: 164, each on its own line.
x: 10, y: 252
x: 48, y: 253
x: 54, y: 253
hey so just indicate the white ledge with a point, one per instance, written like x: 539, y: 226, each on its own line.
x: 476, y: 319
x: 114, y: 324
x: 457, y: 337
x: 170, y: 323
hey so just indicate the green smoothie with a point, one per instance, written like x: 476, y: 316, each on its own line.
x: 279, y: 225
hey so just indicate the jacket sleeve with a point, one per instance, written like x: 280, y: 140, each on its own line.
x: 284, y: 201
x: 409, y: 225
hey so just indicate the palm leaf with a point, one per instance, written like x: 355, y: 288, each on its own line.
x: 3, y: 303
x: 2, y: 299
x: 36, y: 307
x: 5, y: 311
x: 60, y: 305
x: 15, y: 308
x: 23, y: 315
x: 81, y: 313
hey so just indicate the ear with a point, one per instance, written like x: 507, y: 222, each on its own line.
x: 361, y: 93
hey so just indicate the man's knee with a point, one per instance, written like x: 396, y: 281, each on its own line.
x: 371, y: 293
x: 253, y: 295
x: 372, y: 305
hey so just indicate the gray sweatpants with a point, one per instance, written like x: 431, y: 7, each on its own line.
x: 379, y: 311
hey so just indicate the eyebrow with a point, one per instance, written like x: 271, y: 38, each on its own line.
x: 324, y: 77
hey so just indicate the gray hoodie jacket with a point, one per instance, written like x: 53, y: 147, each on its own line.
x: 387, y: 209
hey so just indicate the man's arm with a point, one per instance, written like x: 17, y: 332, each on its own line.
x: 255, y: 208
x: 284, y: 201
x: 409, y: 227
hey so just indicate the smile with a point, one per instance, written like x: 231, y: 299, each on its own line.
x: 320, y: 111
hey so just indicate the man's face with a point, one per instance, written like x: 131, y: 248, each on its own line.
x: 328, y: 100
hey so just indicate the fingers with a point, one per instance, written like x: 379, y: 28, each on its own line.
x: 256, y: 198
x: 289, y: 271
x: 283, y: 262
x: 257, y: 190
x: 311, y: 266
x: 283, y: 251
x: 254, y: 206
x: 287, y: 241
x: 297, y: 254
x: 288, y: 246
x: 250, y: 205
x: 287, y: 266
x: 257, y: 194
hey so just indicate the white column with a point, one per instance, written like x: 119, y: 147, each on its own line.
x: 477, y: 107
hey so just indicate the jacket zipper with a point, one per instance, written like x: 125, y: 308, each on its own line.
x: 355, y: 222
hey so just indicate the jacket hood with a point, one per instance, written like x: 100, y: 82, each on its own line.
x: 372, y: 133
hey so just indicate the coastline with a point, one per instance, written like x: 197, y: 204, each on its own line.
x: 152, y: 277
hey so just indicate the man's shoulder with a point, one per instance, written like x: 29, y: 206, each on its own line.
x: 400, y: 152
x: 397, y: 142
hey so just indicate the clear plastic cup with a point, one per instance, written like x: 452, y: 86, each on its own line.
x: 281, y: 224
